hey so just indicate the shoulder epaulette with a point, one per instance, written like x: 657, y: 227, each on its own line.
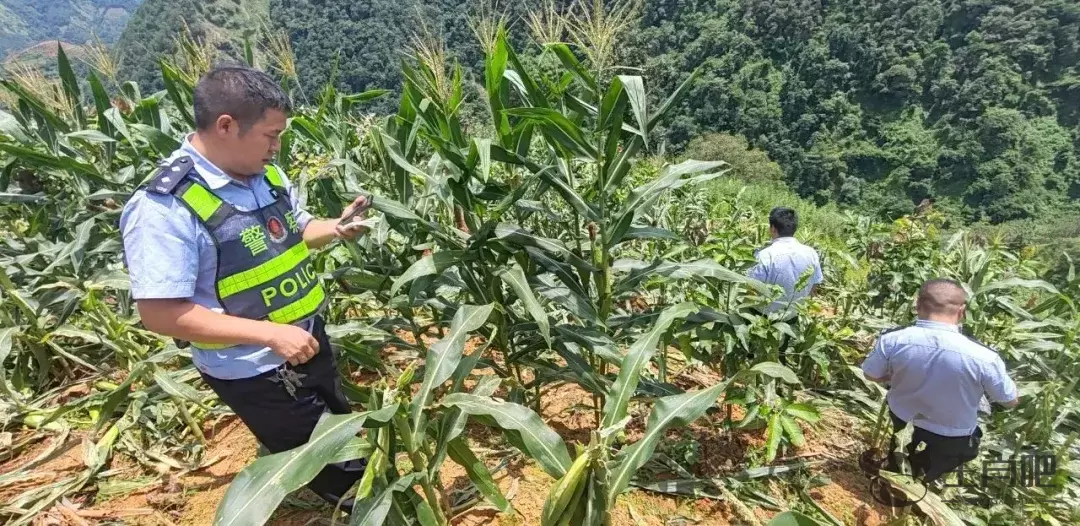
x: 892, y: 329
x: 168, y: 177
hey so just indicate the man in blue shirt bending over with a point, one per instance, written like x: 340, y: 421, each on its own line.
x: 937, y: 378
x: 218, y: 248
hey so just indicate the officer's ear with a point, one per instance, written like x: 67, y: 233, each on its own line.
x: 225, y: 124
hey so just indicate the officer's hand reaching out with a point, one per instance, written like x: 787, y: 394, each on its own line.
x: 348, y: 226
x: 291, y: 343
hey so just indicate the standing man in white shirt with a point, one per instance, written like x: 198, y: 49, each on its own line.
x: 937, y: 377
x: 783, y: 261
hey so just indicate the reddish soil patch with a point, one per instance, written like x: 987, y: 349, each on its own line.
x: 192, y: 498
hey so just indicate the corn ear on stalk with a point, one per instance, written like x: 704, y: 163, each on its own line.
x: 563, y: 491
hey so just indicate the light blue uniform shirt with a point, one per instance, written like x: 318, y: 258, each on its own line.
x: 938, y: 376
x: 781, y: 263
x: 169, y: 254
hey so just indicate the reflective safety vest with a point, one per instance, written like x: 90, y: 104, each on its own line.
x: 264, y: 268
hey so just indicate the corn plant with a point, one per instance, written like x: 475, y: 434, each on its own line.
x: 423, y: 425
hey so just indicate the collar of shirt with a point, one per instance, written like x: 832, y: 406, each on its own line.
x: 213, y: 176
x: 928, y: 324
x: 786, y: 239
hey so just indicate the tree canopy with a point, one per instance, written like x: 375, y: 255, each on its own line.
x: 870, y: 103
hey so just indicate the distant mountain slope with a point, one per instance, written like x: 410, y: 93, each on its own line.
x: 27, y: 23
x: 154, y: 27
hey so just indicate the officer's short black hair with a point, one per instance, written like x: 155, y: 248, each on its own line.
x: 941, y: 295
x: 784, y: 220
x: 241, y: 92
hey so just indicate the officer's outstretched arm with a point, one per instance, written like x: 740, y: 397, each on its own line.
x: 184, y: 320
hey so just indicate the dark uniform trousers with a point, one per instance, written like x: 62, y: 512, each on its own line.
x: 283, y: 416
x: 941, y: 456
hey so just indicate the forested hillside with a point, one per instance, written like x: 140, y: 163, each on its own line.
x: 972, y: 102
x: 153, y: 31
x: 877, y: 104
x: 24, y: 23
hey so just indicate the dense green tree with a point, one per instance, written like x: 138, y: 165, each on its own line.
x: 154, y: 29
x: 872, y: 103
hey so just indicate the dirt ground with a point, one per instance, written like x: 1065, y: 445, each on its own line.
x: 192, y: 498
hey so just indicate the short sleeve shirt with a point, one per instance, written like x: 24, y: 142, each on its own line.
x: 170, y: 254
x: 782, y: 263
x: 938, y: 376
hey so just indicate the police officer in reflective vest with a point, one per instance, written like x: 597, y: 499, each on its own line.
x: 218, y: 251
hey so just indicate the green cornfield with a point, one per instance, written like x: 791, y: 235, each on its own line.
x: 548, y: 323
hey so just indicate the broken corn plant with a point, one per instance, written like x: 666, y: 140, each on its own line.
x: 586, y: 487
x: 423, y: 426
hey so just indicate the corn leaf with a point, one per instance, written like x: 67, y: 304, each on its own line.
x: 522, y: 425
x: 70, y: 84
x: 256, y: 491
x: 564, y: 272
x: 160, y: 142
x: 577, y: 304
x: 34, y: 103
x: 478, y: 474
x: 175, y: 388
x: 443, y: 358
x: 45, y: 160
x: 517, y: 235
x: 617, y: 172
x: 453, y: 421
x: 672, y: 177
x: 635, y: 361
x: 178, y: 91
x: 1015, y: 283
x: 635, y: 92
x: 560, y: 131
x: 10, y: 125
x: 7, y: 337
x: 612, y: 119
x: 571, y: 196
x: 413, y: 505
x: 670, y: 411
x: 430, y: 265
x: 373, y: 511
x: 356, y: 448
x: 515, y: 278
x: 648, y: 232
x: 520, y: 77
x: 571, y: 62
x: 393, y: 208
x: 585, y: 374
x: 594, y: 341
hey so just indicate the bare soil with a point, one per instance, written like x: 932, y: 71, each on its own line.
x: 192, y: 498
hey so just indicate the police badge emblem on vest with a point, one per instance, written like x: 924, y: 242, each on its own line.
x: 276, y: 229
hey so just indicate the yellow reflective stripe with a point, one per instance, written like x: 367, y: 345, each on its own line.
x: 201, y: 201
x: 297, y: 309
x: 274, y: 176
x: 263, y: 273
x: 211, y: 346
